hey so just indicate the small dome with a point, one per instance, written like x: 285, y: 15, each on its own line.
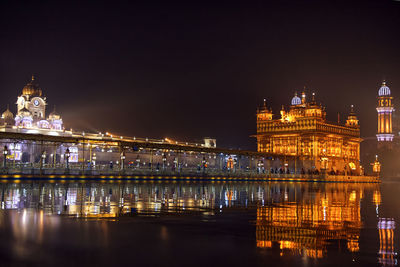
x: 32, y: 88
x: 384, y: 90
x: 296, y: 100
x: 7, y: 115
x: 54, y: 114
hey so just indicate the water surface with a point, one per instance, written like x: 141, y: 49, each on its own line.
x: 198, y: 224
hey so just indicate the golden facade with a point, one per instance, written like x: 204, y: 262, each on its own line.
x: 304, y: 136
x: 304, y: 226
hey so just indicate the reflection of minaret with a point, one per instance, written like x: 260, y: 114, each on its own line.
x: 385, y: 109
x: 387, y: 254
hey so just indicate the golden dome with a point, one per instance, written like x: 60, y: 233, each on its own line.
x: 8, y: 117
x: 54, y: 115
x: 32, y: 88
x: 7, y: 114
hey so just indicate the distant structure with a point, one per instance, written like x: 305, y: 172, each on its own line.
x: 386, y: 142
x: 210, y: 142
x: 302, y: 133
x: 31, y: 112
x: 385, y: 110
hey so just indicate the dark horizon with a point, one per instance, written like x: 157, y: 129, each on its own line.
x: 187, y: 71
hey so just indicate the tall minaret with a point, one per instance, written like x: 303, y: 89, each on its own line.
x: 385, y: 110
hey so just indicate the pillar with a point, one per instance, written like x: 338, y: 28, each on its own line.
x: 151, y: 159
x: 55, y: 155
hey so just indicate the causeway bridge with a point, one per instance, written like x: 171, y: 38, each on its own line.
x: 81, y: 155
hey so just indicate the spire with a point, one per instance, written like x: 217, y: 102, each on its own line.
x: 33, y: 77
x: 54, y: 113
x: 352, y: 118
x: 313, y: 97
x: 303, y: 96
x: 264, y: 106
x: 264, y: 113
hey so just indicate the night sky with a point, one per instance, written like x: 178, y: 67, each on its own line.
x: 195, y: 69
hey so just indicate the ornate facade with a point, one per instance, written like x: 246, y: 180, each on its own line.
x: 303, y: 135
x: 304, y: 225
x: 385, y: 110
x: 31, y: 111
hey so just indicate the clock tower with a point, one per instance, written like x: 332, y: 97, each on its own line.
x: 32, y: 100
x: 385, y: 110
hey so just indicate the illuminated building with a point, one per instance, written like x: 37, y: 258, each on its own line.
x: 304, y: 136
x: 303, y: 225
x: 385, y: 110
x: 31, y: 112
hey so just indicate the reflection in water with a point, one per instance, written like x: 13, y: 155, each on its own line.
x: 386, y: 240
x: 103, y: 200
x: 301, y: 222
x: 386, y: 226
x: 292, y: 218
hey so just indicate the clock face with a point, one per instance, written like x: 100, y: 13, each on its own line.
x: 36, y: 102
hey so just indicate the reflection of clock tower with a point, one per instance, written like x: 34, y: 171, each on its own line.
x: 31, y: 101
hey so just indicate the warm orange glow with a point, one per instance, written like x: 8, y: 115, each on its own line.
x: 385, y: 109
x: 303, y: 132
x: 376, y: 198
x: 303, y: 226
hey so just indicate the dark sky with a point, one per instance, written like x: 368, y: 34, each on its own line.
x: 194, y: 69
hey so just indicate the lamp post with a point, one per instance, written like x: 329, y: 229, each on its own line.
x: 164, y: 159
x: 67, y: 155
x: 122, y: 160
x: 138, y: 161
x: 42, y: 162
x: 5, y: 153
x: 376, y: 166
x: 94, y: 160
x: 176, y: 164
x: 260, y: 166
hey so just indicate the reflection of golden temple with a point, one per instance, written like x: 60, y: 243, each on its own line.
x: 376, y: 197
x: 304, y: 225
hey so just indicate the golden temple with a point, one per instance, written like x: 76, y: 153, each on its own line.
x: 303, y: 134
